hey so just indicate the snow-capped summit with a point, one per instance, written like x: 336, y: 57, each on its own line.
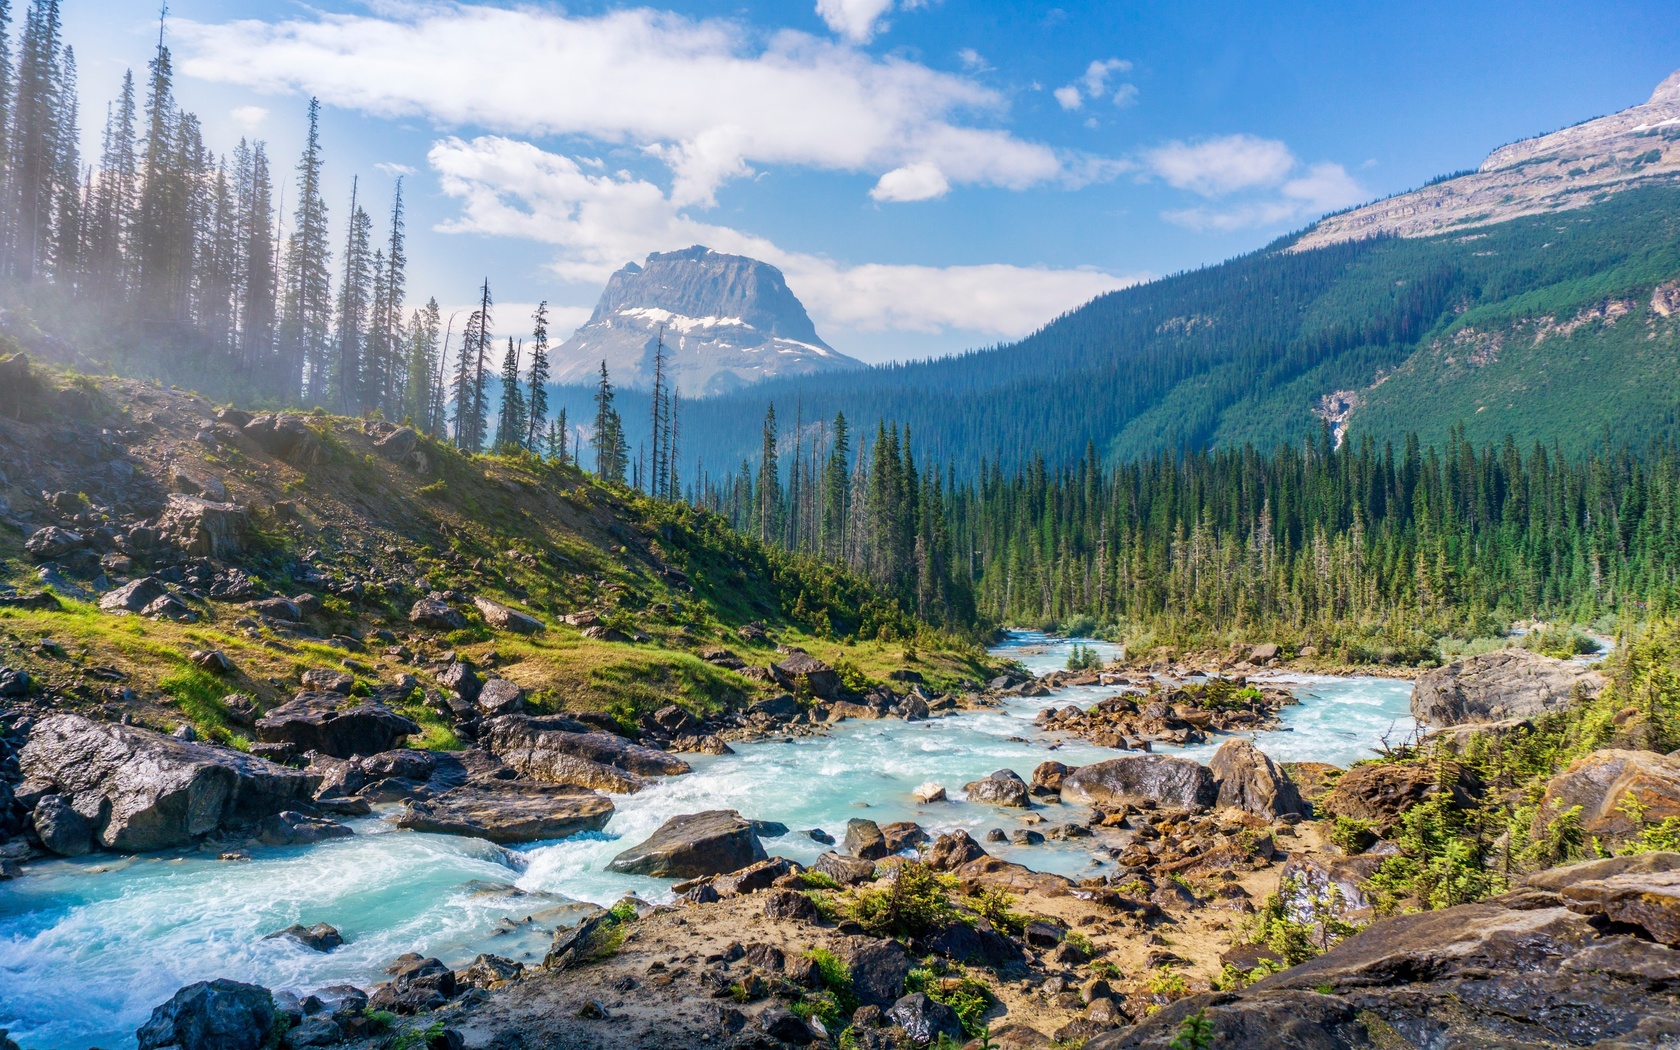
x: 728, y: 321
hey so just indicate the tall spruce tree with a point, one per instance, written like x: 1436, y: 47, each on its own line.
x: 768, y: 513
x: 536, y: 399
x: 608, y: 442
x: 35, y: 141
x: 511, y: 421
x: 422, y: 348
x: 306, y: 315
x: 345, y: 385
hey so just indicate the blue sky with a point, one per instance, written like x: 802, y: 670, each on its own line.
x: 930, y: 174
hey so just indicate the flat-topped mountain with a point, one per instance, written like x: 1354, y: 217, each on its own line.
x: 1566, y: 169
x: 727, y: 320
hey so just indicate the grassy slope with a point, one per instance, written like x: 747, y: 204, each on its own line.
x: 542, y: 538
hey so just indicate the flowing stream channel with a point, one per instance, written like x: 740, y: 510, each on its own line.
x: 89, y: 946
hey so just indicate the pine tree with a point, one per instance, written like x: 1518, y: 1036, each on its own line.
x: 536, y: 400
x: 611, y: 451
x: 462, y: 388
x: 511, y: 421
x: 306, y: 316
x: 657, y: 402
x: 836, y: 490
x: 257, y: 263
x: 767, y: 519
x: 558, y: 439
x: 115, y: 198
x: 346, y: 380
x: 422, y: 349
x: 481, y: 371
x: 156, y: 221
x: 385, y: 335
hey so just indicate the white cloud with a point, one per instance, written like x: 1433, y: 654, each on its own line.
x: 973, y: 61
x: 712, y: 99
x: 393, y: 169
x: 250, y: 117
x: 1278, y: 189
x: 597, y: 222
x: 1097, y: 74
x: 1125, y: 95
x: 1069, y: 97
x: 1215, y: 167
x: 913, y: 182
x: 853, y: 19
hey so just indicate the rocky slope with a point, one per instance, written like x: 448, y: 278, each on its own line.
x: 726, y: 320
x: 1556, y: 172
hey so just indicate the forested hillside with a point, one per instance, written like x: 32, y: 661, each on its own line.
x: 1545, y: 327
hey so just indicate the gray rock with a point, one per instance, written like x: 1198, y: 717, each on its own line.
x: 1252, y: 782
x: 398, y: 443
x: 133, y: 596
x: 803, y: 672
x: 319, y: 937
x: 842, y: 869
x: 553, y: 750
x: 437, y: 614
x: 500, y: 697
x: 284, y: 436
x: 864, y: 840
x: 1602, y: 782
x: 924, y: 1020
x: 61, y: 829
x: 509, y: 811
x: 503, y: 618
x: 783, y: 1025
x: 460, y: 679
x: 203, y: 528
x: 1509, y: 683
x: 53, y: 542
x: 291, y: 828
x: 1002, y: 788
x: 878, y: 967
x: 152, y: 791
x: 693, y: 845
x: 319, y: 722
x: 1137, y: 778
x: 211, y: 1015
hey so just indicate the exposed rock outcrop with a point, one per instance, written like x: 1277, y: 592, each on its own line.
x: 142, y: 790
x: 1003, y: 788
x: 1382, y: 792
x: 204, y: 528
x: 1610, y: 786
x: 1492, y: 687
x: 211, y: 1015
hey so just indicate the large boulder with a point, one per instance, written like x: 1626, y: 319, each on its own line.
x: 803, y: 671
x: 555, y: 751
x: 53, y: 542
x: 321, y: 722
x: 211, y: 1015
x: 503, y: 618
x: 1492, y: 687
x: 1003, y: 788
x: 432, y: 611
x: 203, y: 528
x: 1647, y: 899
x: 1610, y: 786
x: 60, y: 828
x: 148, y: 791
x: 879, y: 968
x: 1252, y: 782
x: 694, y: 845
x: 1383, y: 793
x: 864, y: 840
x: 1130, y: 779
x: 509, y: 811
x: 499, y: 696
x: 924, y: 1020
x: 284, y: 436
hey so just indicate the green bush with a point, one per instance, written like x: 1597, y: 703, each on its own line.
x: 915, y: 902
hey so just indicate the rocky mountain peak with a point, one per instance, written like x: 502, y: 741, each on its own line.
x: 1565, y: 169
x: 726, y: 320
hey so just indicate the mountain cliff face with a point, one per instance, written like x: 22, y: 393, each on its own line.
x: 1564, y: 170
x: 727, y: 321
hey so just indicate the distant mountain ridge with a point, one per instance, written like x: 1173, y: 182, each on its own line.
x: 1564, y: 170
x: 728, y: 321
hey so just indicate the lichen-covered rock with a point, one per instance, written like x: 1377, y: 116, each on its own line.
x: 151, y: 791
x: 1509, y: 683
x: 1130, y: 779
x: 432, y: 611
x: 499, y: 696
x: 803, y: 672
x: 693, y: 845
x: 864, y: 839
x: 1252, y: 782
